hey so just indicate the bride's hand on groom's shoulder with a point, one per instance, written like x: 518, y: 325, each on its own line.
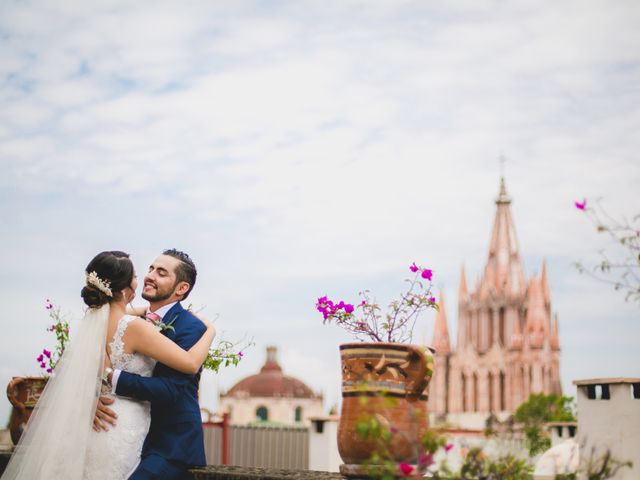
x: 207, y: 323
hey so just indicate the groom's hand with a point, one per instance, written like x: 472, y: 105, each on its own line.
x: 104, y: 415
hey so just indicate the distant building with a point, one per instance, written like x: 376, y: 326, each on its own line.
x: 609, y: 421
x: 507, y: 342
x: 271, y: 396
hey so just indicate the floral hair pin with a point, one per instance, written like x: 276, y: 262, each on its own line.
x: 95, y: 281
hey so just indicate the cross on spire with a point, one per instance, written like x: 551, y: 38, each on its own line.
x: 503, y: 160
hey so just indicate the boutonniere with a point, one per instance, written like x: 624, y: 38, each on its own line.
x: 161, y: 326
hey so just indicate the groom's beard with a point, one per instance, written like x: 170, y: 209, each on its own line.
x: 159, y: 296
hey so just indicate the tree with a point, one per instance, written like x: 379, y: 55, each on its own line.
x: 620, y: 266
x: 538, y: 410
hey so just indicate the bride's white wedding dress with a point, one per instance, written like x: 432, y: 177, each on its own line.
x: 113, y: 455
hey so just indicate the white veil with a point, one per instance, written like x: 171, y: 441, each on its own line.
x: 54, y: 442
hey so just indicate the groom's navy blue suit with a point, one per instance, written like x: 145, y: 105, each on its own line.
x: 175, y: 438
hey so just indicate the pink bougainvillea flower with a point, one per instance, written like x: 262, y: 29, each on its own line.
x: 581, y: 205
x: 348, y: 308
x: 426, y: 459
x: 322, y: 300
x: 40, y: 358
x: 414, y: 268
x: 448, y: 447
x: 49, y: 370
x: 406, y: 469
x: 427, y: 274
x: 43, y: 365
x: 432, y: 299
x: 364, y: 302
x: 46, y: 353
x: 240, y: 354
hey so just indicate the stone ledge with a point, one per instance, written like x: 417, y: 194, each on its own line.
x: 221, y: 472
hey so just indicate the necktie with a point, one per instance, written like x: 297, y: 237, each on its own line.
x: 153, y: 317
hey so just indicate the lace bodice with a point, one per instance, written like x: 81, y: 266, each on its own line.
x: 113, y: 455
x: 131, y: 362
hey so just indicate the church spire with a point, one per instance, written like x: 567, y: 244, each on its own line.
x: 536, y: 321
x: 546, y: 291
x: 462, y: 290
x: 554, y: 339
x: 504, y: 270
x: 441, y: 331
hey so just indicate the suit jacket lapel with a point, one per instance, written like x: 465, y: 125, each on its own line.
x: 171, y: 319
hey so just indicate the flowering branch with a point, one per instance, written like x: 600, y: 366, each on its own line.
x: 626, y: 267
x: 397, y: 325
x: 47, y: 359
x: 225, y: 353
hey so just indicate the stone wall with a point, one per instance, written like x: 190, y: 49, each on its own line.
x: 220, y: 472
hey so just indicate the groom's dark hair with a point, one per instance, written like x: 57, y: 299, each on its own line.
x: 186, y: 270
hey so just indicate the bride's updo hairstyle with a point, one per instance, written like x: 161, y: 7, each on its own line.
x: 107, y: 275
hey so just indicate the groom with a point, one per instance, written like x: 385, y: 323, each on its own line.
x: 175, y: 438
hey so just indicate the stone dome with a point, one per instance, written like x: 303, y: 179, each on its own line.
x: 271, y: 382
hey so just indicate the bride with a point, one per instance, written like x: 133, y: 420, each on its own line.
x: 59, y: 442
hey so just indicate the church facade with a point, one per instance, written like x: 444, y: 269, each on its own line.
x: 507, y: 344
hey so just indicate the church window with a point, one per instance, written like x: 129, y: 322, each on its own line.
x: 501, y: 326
x: 502, y: 406
x: 298, y: 414
x: 474, y: 400
x: 464, y: 393
x: 490, y: 392
x: 262, y: 414
x: 635, y: 390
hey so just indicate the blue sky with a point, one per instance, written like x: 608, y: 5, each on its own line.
x: 298, y: 149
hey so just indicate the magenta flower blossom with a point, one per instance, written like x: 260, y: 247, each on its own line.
x: 46, y: 353
x: 370, y: 321
x: 406, y: 469
x: 43, y: 365
x: 240, y: 354
x: 40, y: 359
x: 49, y: 370
x: 48, y: 305
x: 448, y: 447
x: 581, y: 205
x: 426, y: 459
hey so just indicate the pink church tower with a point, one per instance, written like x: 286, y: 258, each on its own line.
x: 507, y: 344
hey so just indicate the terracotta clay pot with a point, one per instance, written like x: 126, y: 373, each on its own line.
x: 388, y: 382
x: 23, y: 393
